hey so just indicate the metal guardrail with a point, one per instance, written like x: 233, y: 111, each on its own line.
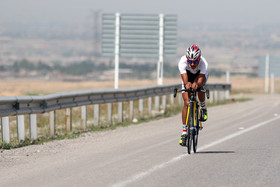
x: 21, y: 105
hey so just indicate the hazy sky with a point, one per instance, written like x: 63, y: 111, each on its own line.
x: 211, y: 11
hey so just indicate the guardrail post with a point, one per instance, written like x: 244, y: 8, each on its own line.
x: 120, y: 112
x: 211, y: 97
x: 222, y: 95
x: 131, y: 109
x: 141, y: 108
x: 109, y: 109
x: 171, y: 99
x: 84, y: 116
x: 157, y: 102
x: 5, y: 129
x: 52, y: 123
x: 68, y: 119
x: 227, y: 94
x: 180, y: 99
x: 163, y: 101
x: 20, y: 128
x: 216, y: 99
x: 33, y: 126
x: 96, y: 115
x: 150, y: 105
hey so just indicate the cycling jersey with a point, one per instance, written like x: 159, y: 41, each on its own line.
x: 184, y: 66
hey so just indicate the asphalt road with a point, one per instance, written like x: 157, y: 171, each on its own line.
x: 239, y: 146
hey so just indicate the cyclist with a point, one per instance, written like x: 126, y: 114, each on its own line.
x: 193, y: 69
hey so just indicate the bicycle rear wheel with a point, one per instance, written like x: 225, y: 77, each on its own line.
x: 195, y: 139
x: 195, y: 136
x: 189, y: 143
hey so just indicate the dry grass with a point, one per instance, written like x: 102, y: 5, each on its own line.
x: 41, y: 87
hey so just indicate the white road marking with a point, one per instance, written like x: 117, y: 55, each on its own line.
x: 175, y: 159
x: 241, y: 128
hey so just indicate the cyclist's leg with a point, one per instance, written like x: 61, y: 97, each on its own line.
x: 183, y: 138
x: 185, y: 96
x: 201, y: 96
x: 203, y: 111
x: 185, y: 108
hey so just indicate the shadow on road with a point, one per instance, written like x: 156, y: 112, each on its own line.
x: 214, y: 152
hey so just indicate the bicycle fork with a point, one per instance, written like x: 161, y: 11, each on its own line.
x: 192, y: 107
x: 191, y: 118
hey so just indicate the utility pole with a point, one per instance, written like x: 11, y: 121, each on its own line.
x: 266, y: 81
x: 117, y: 49
x: 160, y: 58
x: 228, y: 81
x: 272, y: 83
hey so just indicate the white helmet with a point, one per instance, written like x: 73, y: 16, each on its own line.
x: 193, y: 53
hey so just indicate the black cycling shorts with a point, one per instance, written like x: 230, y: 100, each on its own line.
x: 191, y: 76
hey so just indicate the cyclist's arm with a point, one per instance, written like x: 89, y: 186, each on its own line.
x: 200, y: 80
x: 184, y: 77
x: 182, y: 69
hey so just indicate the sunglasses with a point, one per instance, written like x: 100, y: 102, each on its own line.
x: 195, y: 62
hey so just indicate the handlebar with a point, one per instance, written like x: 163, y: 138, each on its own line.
x: 191, y: 90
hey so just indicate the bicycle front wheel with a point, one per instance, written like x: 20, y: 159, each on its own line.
x: 190, y: 129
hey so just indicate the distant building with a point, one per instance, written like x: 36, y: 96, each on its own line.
x: 274, y: 66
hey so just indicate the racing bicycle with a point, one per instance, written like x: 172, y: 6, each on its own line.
x: 193, y: 117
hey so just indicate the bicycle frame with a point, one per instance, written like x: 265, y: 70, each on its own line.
x: 193, y: 116
x: 192, y: 122
x: 196, y: 107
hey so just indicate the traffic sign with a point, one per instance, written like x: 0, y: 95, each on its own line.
x: 139, y: 35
